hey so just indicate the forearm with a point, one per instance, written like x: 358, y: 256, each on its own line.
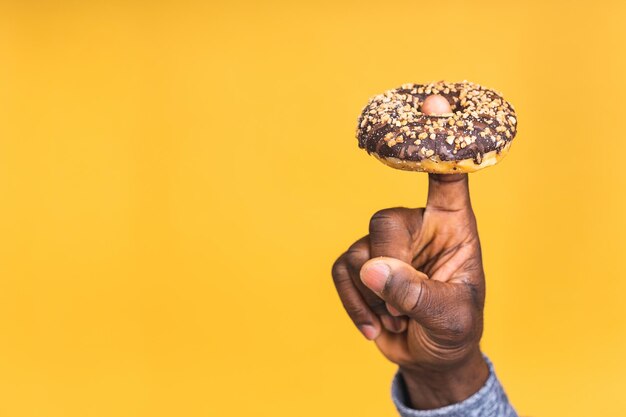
x: 429, y: 389
x: 414, y: 397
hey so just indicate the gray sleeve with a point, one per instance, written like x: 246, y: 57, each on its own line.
x: 489, y: 401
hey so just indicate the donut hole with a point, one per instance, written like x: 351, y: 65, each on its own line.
x: 455, y: 105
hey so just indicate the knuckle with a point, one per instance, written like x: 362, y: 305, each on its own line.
x: 383, y: 220
x: 378, y: 306
x: 357, y: 312
x: 338, y: 269
x: 355, y: 257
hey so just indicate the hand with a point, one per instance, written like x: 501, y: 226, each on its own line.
x: 416, y: 286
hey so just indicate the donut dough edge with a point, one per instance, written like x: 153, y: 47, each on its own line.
x: 434, y: 165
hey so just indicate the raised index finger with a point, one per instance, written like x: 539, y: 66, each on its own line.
x: 448, y: 192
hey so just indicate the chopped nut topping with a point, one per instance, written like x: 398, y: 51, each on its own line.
x: 478, y: 115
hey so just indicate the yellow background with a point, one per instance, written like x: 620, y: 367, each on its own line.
x: 176, y: 179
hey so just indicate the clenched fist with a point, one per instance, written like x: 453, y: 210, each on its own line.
x: 415, y: 285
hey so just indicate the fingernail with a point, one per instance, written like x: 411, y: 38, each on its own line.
x: 375, y: 276
x: 392, y: 310
x: 368, y: 331
x: 393, y: 324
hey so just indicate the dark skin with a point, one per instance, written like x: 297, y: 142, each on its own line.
x: 415, y: 285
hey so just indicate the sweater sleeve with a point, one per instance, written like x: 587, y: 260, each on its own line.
x: 488, y: 401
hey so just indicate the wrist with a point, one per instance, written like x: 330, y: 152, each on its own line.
x: 435, y: 388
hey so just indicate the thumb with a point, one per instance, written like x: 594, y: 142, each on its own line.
x: 434, y: 304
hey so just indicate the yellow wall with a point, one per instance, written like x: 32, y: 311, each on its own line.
x: 177, y: 178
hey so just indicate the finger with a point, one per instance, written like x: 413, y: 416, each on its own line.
x: 445, y: 192
x: 356, y: 307
x: 436, y: 104
x: 390, y: 233
x: 434, y: 304
x: 448, y: 192
x: 355, y: 257
x: 392, y: 310
x: 394, y: 324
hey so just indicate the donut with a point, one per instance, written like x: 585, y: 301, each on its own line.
x: 477, y: 133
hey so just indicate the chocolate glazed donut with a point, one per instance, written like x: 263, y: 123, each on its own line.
x: 477, y: 134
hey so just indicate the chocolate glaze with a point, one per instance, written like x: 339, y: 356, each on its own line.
x: 493, y: 123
